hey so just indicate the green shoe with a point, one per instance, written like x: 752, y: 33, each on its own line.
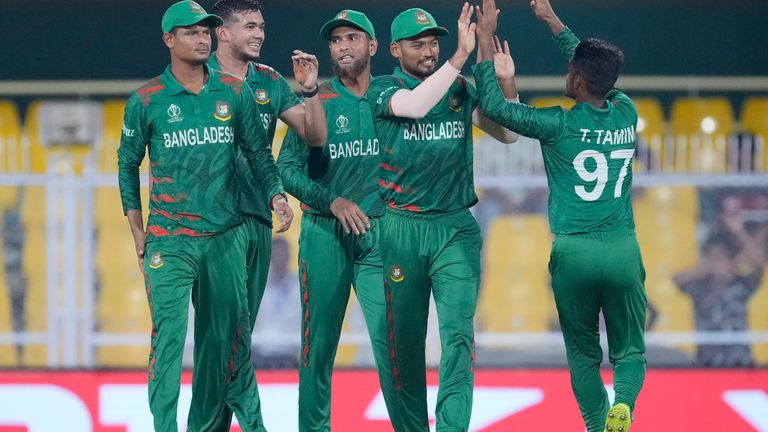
x: 618, y: 419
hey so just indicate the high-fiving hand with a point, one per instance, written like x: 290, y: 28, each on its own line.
x: 466, y: 34
x: 487, y: 18
x: 502, y: 59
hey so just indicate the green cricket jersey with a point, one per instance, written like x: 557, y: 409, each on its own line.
x: 273, y: 97
x: 587, y: 151
x: 193, y: 142
x: 426, y: 163
x: 352, y: 150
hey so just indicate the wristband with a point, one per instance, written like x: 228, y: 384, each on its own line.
x: 309, y: 94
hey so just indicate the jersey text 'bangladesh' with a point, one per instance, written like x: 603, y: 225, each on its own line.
x: 352, y: 153
x: 426, y: 163
x: 193, y: 142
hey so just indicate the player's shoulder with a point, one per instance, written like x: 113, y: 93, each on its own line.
x: 328, y: 92
x: 266, y: 71
x: 229, y: 81
x: 147, y: 91
x: 383, y: 83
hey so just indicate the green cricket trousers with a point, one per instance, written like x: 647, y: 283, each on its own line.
x: 438, y: 255
x: 590, y: 273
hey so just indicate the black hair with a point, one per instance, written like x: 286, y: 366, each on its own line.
x: 226, y: 8
x: 599, y: 64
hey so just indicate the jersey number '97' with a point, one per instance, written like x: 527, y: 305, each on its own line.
x: 600, y: 173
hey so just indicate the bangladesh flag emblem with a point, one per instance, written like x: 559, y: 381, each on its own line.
x: 222, y: 111
x: 261, y: 97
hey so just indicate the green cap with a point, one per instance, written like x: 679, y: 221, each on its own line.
x: 348, y: 18
x: 414, y: 22
x: 186, y: 13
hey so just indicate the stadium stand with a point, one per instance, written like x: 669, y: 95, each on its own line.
x: 666, y: 220
x: 650, y: 130
x: 754, y: 121
x: 702, y: 129
x: 516, y: 294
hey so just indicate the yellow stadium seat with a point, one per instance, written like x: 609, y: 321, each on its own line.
x: 11, y: 155
x: 650, y: 131
x: 33, y: 217
x: 702, y: 129
x: 754, y: 121
x: 516, y: 294
x: 69, y: 158
x: 758, y: 319
x: 110, y: 141
x: 550, y: 101
x: 666, y: 220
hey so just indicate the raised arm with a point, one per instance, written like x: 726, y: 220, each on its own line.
x: 543, y: 124
x: 130, y: 154
x: 307, y: 119
x: 418, y: 102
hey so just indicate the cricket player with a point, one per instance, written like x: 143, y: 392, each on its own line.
x: 239, y: 48
x: 339, y: 241
x: 595, y: 261
x: 423, y: 117
x: 194, y: 120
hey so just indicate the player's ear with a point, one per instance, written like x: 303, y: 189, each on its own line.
x: 221, y: 33
x: 394, y: 49
x: 168, y: 39
x: 373, y: 46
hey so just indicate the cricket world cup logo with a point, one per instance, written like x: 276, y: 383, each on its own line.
x: 174, y: 114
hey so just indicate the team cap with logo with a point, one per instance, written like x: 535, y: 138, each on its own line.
x: 414, y: 22
x: 348, y: 18
x: 186, y: 13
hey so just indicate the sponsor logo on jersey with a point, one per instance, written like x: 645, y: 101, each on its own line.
x: 156, y: 261
x: 421, y: 18
x: 174, y: 114
x: 454, y: 103
x: 222, y: 111
x: 343, y: 15
x: 396, y: 274
x: 128, y: 132
x: 341, y: 124
x: 261, y: 96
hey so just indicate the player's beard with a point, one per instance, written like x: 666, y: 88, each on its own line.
x: 243, y: 55
x: 352, y: 71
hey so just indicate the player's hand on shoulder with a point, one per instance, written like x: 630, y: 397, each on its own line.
x: 284, y: 212
x: 351, y: 217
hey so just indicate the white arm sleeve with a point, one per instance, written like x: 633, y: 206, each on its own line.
x: 418, y: 102
x: 495, y: 130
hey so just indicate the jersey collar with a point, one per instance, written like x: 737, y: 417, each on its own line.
x: 172, y: 87
x: 410, y: 81
x: 342, y: 90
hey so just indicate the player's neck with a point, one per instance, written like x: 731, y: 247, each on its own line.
x: 358, y: 85
x: 597, y: 102
x: 189, y: 75
x: 231, y: 64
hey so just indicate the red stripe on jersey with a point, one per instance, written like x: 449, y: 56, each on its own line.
x: 188, y: 232
x: 409, y: 207
x: 163, y: 198
x: 189, y: 216
x: 152, y: 89
x: 391, y: 336
x: 264, y: 68
x: 305, y: 207
x: 162, y: 180
x: 305, y: 304
x: 389, y: 185
x: 390, y: 168
x: 158, y: 231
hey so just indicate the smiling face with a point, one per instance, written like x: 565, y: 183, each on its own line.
x: 351, y: 51
x: 418, y: 56
x: 245, y: 34
x: 190, y: 44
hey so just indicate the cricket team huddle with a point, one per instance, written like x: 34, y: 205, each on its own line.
x: 382, y: 167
